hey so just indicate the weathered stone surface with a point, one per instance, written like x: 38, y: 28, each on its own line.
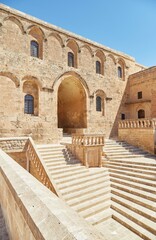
x: 48, y: 78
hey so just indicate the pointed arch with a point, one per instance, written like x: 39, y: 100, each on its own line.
x: 88, y: 48
x: 121, y: 68
x: 112, y: 57
x: 33, y: 27
x: 58, y: 37
x: 34, y: 79
x: 12, y: 77
x: 70, y: 42
x: 100, y: 54
x: 71, y: 74
x: 16, y: 21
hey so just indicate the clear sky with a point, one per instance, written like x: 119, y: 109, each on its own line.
x: 125, y: 25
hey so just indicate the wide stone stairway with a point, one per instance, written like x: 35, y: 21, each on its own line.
x: 119, y: 199
x: 133, y: 187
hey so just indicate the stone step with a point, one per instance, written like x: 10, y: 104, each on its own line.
x: 99, y: 217
x: 86, y: 196
x: 66, y: 169
x: 138, y: 192
x: 130, y: 169
x: 136, y: 199
x: 151, y: 178
x: 124, y: 157
x: 128, y: 223
x: 128, y: 165
x: 62, y: 162
x: 92, y: 204
x: 82, y: 181
x: 135, y: 217
x: 74, y: 196
x: 141, y: 210
x: 140, y: 161
x: 134, y: 185
x: 50, y: 146
x: 84, y: 185
x: 70, y: 178
x: 95, y: 209
x: 130, y: 179
x: 63, y: 174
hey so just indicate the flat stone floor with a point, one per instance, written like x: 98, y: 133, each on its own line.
x: 3, y: 231
x: 113, y: 230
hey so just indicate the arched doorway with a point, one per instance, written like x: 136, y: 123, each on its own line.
x: 71, y: 104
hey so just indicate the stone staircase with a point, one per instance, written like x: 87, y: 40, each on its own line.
x: 133, y: 187
x: 86, y: 190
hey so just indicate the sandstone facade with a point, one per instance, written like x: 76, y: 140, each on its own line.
x: 140, y: 95
x: 65, y: 96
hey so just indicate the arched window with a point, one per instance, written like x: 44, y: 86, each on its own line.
x: 98, y: 104
x: 119, y: 72
x: 98, y: 67
x: 141, y: 113
x: 70, y: 59
x: 34, y: 49
x: 29, y: 104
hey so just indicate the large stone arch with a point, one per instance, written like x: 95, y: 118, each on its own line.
x: 71, y: 103
x: 12, y: 77
x: 58, y: 80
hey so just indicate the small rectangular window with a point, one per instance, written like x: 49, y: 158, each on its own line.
x: 139, y: 95
x: 122, y: 116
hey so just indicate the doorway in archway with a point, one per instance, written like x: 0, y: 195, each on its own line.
x: 71, y: 105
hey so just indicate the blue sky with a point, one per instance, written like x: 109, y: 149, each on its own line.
x: 125, y: 25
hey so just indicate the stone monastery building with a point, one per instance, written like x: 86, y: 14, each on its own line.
x: 54, y: 82
x: 79, y: 119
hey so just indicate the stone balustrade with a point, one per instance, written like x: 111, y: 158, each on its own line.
x: 26, y: 144
x: 38, y: 165
x: 88, y: 148
x: 137, y: 123
x: 88, y: 139
x: 13, y: 144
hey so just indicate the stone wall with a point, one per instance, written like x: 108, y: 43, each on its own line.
x: 41, y: 77
x: 141, y: 137
x: 31, y: 211
x: 143, y: 81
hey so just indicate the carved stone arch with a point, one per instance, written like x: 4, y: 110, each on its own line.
x: 121, y: 61
x: 72, y: 74
x: 100, y: 97
x: 100, y: 92
x: 99, y: 61
x: 58, y: 37
x: 100, y: 54
x: 121, y: 68
x: 33, y: 79
x: 12, y: 77
x: 16, y: 21
x: 88, y: 48
x: 112, y: 57
x: 70, y: 42
x: 32, y: 27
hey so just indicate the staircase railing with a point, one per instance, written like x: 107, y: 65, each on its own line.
x: 35, y: 165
